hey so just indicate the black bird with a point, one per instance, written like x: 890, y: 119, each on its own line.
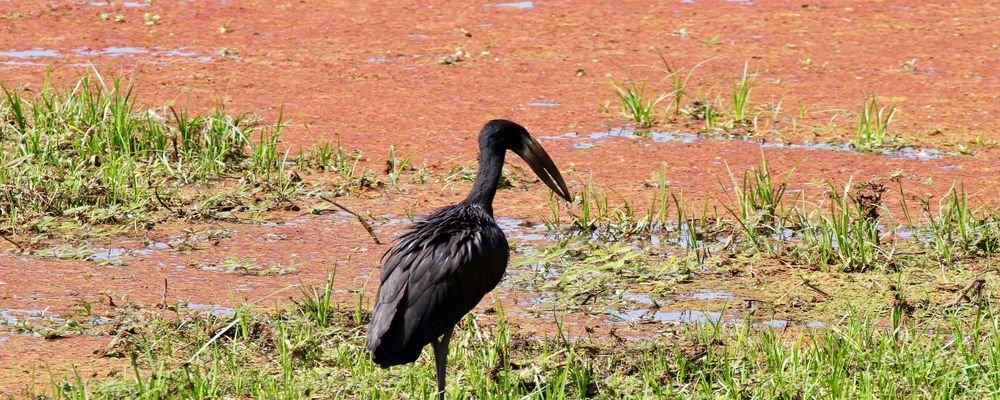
x: 442, y: 267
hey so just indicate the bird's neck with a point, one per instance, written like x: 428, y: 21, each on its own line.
x: 488, y: 178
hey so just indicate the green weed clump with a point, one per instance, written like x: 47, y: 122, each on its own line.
x: 873, y: 124
x: 679, y: 83
x: 847, y: 236
x: 667, y: 219
x: 91, y: 154
x: 741, y: 94
x: 636, y: 104
x: 758, y: 210
x: 395, y: 166
x: 958, y: 230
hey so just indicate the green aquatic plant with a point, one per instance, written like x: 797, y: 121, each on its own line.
x: 636, y: 104
x: 758, y: 204
x: 873, y: 124
x: 956, y: 228
x: 847, y: 235
x: 741, y: 94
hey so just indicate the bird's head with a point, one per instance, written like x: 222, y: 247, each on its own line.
x: 507, y: 135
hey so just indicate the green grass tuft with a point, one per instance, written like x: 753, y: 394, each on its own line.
x: 636, y: 104
x: 873, y: 124
x: 741, y: 94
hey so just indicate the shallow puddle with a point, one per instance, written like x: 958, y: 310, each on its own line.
x: 688, y: 316
x: 520, y: 5
x: 699, y: 316
x: 109, y: 3
x: 783, y: 323
x: 392, y: 58
x: 30, y: 53
x: 914, y: 153
x: 23, y: 63
x: 593, y: 139
x: 543, y: 103
x: 18, y: 316
x: 34, y: 56
x: 638, y: 298
x: 215, y: 310
x: 522, y: 229
x: 116, y: 254
x: 129, y: 51
x: 113, y: 51
x: 905, y: 233
x: 712, y: 294
x: 513, y: 228
x: 86, y: 251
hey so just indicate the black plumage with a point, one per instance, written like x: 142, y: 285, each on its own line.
x: 436, y: 273
x: 442, y: 267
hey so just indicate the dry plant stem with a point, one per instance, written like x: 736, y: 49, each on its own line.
x: 163, y: 296
x: 9, y: 240
x: 974, y: 286
x: 812, y: 286
x: 156, y: 193
x: 356, y: 215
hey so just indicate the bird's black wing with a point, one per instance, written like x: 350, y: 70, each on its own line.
x: 432, y: 276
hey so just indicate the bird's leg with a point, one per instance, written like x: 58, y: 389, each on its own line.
x: 441, y: 358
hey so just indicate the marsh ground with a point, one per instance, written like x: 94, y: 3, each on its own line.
x: 423, y: 77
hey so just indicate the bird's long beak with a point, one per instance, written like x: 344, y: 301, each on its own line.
x: 542, y: 164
